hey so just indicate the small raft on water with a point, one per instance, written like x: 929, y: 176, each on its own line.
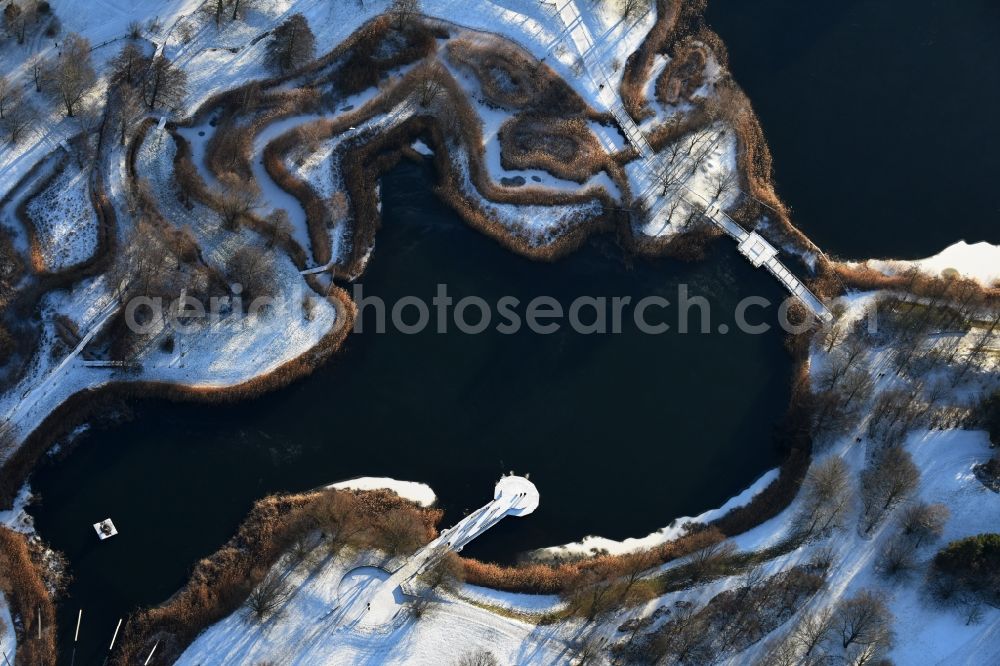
x: 105, y: 529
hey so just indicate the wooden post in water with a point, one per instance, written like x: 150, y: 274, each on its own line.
x: 113, y: 638
x: 76, y: 636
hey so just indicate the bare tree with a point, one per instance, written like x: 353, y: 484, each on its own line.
x: 129, y: 109
x: 9, y: 95
x: 217, y: 9
x: 896, y: 558
x: 164, y: 84
x: 18, y: 119
x: 253, y: 269
x: 130, y: 65
x: 778, y: 651
x: 240, y: 6
x: 429, y: 88
x: 630, y: 8
x: 893, y: 414
x: 134, y: 30
x: 723, y: 184
x: 279, y: 228
x: 404, y: 12
x: 634, y: 566
x: 269, y: 595
x: 446, y: 573
x: 337, y: 515
x: 889, y: 480
x: 292, y: 44
x: 864, y: 626
x: 857, y: 385
x: 923, y: 522
x: 399, y: 532
x: 36, y: 64
x: 710, y: 561
x: 812, y: 632
x: 72, y: 74
x: 594, y: 591
x: 11, y: 19
x: 239, y: 198
x: 478, y: 658
x: 826, y: 496
x: 145, y: 266
x: 17, y: 18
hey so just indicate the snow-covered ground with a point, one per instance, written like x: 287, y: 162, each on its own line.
x: 418, y: 493
x: 65, y: 220
x: 302, y: 633
x: 8, y: 645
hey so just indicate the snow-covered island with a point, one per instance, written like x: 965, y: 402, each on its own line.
x: 186, y: 187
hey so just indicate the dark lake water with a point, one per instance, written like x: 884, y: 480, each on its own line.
x: 621, y: 433
x: 881, y: 115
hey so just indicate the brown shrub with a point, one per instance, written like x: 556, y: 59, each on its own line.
x: 511, y: 77
x: 565, y: 147
x: 24, y: 587
x: 562, y: 577
x: 381, y: 46
x: 683, y: 75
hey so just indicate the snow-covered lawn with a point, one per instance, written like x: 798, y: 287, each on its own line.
x: 8, y: 646
x: 65, y: 221
x: 303, y: 631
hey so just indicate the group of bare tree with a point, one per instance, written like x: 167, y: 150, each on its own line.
x: 886, y: 482
x: 22, y: 18
x: 858, y: 630
x: 67, y: 77
x: 919, y: 523
x: 729, y: 623
x: 930, y: 331
x: 155, y: 81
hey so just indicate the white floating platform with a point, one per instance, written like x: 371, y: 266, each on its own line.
x: 105, y: 529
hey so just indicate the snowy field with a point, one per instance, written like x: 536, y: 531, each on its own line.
x: 8, y: 647
x: 302, y: 634
x: 65, y: 220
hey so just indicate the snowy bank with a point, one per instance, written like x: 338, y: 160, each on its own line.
x: 418, y: 493
x: 596, y: 544
x: 979, y: 261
